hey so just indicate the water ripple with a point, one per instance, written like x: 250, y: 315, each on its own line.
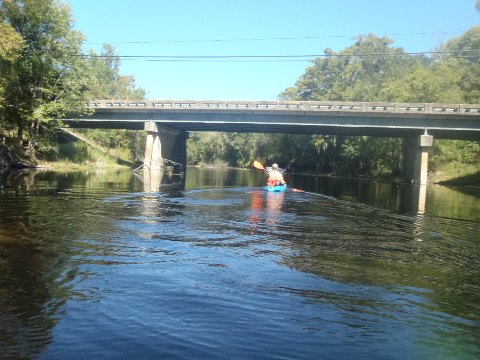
x: 232, y: 273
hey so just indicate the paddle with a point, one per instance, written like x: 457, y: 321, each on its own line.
x: 261, y: 167
x: 258, y: 165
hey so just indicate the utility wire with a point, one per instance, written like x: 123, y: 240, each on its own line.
x: 471, y: 53
x: 268, y: 38
x: 275, y: 56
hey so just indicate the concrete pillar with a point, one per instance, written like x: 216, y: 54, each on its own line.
x: 415, y: 158
x: 164, y: 143
x: 412, y: 199
x: 157, y: 160
x: 422, y: 198
x: 148, y: 150
x: 153, y: 148
x: 152, y: 180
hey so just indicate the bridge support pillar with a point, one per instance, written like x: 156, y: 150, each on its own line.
x: 415, y: 158
x: 164, y: 143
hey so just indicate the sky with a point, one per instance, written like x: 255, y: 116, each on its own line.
x: 252, y: 28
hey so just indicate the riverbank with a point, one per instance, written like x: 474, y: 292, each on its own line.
x: 454, y: 174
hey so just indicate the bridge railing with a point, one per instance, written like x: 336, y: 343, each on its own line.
x: 337, y: 106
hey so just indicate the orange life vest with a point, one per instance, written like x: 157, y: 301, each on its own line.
x: 275, y: 178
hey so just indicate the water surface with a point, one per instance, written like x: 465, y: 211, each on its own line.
x: 118, y: 265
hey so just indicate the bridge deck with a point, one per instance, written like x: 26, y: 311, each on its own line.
x: 425, y: 108
x: 457, y: 121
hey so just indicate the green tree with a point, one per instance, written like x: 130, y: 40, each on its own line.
x: 366, y: 71
x: 438, y: 83
x: 463, y: 57
x: 369, y: 70
x: 11, y: 44
x: 109, y: 84
x: 357, y: 73
x: 48, y: 80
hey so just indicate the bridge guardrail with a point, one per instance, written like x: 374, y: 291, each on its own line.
x: 428, y: 108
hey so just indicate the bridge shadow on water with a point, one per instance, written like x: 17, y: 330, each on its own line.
x: 433, y: 199
x: 401, y: 198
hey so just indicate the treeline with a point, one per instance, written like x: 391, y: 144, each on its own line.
x: 372, y: 69
x: 45, y: 74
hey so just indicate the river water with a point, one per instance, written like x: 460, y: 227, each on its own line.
x: 112, y: 264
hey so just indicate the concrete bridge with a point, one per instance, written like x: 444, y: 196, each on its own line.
x: 168, y: 122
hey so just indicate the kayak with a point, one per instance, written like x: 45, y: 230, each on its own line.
x: 277, y: 188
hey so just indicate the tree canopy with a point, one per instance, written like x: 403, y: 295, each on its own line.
x: 108, y: 83
x: 45, y: 73
x: 11, y: 44
x: 371, y: 69
x: 48, y: 79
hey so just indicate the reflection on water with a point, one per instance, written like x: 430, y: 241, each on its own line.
x: 155, y: 180
x: 437, y: 200
x: 113, y: 264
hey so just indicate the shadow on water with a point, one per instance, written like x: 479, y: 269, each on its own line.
x: 434, y: 200
x: 42, y: 216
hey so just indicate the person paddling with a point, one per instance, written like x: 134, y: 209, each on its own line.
x: 275, y: 177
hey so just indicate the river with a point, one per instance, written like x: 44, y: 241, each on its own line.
x: 112, y: 264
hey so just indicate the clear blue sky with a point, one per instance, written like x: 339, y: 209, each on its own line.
x: 183, y: 27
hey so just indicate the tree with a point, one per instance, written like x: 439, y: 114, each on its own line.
x: 437, y: 83
x: 369, y: 70
x: 463, y: 57
x: 11, y: 44
x: 357, y: 73
x: 49, y: 79
x: 108, y: 83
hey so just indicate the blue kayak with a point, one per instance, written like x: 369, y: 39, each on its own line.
x: 277, y: 188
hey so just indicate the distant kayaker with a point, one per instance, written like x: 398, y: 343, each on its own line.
x: 275, y: 177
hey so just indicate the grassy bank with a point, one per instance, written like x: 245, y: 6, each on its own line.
x: 456, y: 174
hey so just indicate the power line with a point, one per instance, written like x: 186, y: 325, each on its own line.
x: 279, y: 56
x: 287, y: 38
x: 283, y: 58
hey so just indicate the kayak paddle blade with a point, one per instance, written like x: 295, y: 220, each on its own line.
x: 258, y: 165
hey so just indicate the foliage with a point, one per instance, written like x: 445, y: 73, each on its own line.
x: 446, y: 151
x: 369, y: 70
x: 45, y: 75
x: 49, y: 79
x: 215, y: 148
x: 11, y: 44
x: 357, y: 73
x: 108, y: 83
x: 464, y: 59
x: 438, y: 83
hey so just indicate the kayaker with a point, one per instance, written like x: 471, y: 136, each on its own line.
x: 275, y: 177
